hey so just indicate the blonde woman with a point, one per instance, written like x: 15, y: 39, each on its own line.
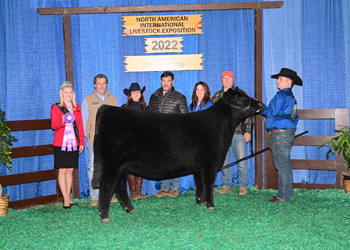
x: 68, y: 142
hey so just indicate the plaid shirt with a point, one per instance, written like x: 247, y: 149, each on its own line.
x: 243, y: 127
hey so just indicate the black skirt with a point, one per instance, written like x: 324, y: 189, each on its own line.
x: 65, y: 159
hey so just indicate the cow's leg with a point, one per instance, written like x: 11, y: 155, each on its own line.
x: 208, y: 179
x: 105, y: 196
x: 122, y: 194
x: 199, y: 188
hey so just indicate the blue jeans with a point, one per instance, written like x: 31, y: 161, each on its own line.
x: 281, y: 147
x: 239, y: 147
x: 93, y: 192
x: 175, y: 184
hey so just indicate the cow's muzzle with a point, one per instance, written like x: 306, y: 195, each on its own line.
x: 261, y: 105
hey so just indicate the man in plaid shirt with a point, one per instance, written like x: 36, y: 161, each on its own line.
x: 240, y: 138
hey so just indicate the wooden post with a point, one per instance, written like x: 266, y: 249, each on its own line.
x: 58, y: 190
x: 258, y: 95
x: 270, y: 173
x: 69, y: 76
x: 68, y: 48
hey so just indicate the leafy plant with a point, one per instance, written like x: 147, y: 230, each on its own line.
x: 5, y: 142
x: 340, y: 143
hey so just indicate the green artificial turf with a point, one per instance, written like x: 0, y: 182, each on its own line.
x: 315, y: 219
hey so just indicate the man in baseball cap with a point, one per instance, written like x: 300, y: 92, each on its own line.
x: 239, y: 142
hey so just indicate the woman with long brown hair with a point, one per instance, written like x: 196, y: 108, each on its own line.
x: 135, y: 101
x: 200, y: 98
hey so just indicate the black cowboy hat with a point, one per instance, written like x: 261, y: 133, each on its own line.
x: 134, y: 87
x: 290, y: 74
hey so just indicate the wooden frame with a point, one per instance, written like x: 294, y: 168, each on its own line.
x: 257, y: 6
x: 340, y: 117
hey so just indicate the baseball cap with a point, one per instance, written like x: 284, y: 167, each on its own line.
x: 227, y: 73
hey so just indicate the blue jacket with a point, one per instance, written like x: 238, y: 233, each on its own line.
x: 207, y: 105
x: 281, y: 104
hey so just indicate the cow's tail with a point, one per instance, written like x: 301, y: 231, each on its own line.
x: 96, y: 179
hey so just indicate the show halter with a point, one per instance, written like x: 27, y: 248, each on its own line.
x: 69, y: 136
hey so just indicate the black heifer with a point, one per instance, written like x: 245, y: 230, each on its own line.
x: 163, y: 146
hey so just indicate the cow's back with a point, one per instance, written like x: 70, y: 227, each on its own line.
x: 178, y: 142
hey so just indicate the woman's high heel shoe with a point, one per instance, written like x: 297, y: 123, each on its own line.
x: 66, y: 207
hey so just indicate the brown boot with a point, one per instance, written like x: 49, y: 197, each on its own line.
x: 138, y: 181
x: 225, y: 190
x: 132, y: 189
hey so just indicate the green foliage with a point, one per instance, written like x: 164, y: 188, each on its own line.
x: 5, y: 142
x: 340, y: 143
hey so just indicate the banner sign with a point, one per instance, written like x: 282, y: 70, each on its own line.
x: 163, y: 63
x: 163, y: 45
x: 162, y: 25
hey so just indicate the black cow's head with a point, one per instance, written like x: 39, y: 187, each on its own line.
x: 238, y: 100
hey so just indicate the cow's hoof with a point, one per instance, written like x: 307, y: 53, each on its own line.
x: 132, y: 211
x: 200, y: 202
x: 212, y: 208
x: 106, y: 220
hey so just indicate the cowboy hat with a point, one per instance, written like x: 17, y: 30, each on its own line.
x: 134, y: 87
x: 291, y: 74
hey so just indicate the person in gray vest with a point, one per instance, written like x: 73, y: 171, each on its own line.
x: 89, y: 109
x: 168, y: 101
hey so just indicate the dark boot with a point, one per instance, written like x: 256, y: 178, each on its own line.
x: 138, y: 181
x: 131, y: 181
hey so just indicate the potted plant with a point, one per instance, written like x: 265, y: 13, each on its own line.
x: 6, y: 140
x: 341, y: 143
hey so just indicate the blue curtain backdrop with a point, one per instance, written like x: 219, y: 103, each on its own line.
x: 311, y: 37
